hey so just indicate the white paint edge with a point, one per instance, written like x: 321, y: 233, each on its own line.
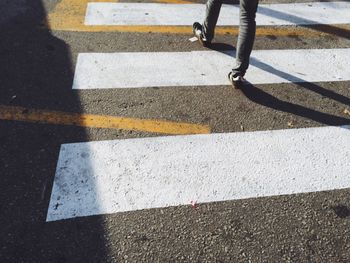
x: 107, y: 177
x: 185, y: 14
x: 201, y: 68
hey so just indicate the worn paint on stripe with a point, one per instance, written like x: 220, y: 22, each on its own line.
x: 182, y: 15
x: 198, y: 68
x: 99, y: 121
x: 125, y: 175
x: 69, y: 15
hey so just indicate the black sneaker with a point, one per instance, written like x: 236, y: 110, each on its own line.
x: 236, y: 80
x: 197, y: 29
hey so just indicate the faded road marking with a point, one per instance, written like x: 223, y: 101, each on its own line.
x: 70, y: 14
x: 99, y: 121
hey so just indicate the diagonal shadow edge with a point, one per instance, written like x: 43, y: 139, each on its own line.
x: 261, y: 97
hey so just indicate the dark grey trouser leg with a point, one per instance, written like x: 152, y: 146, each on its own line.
x: 211, y: 18
x: 247, y: 28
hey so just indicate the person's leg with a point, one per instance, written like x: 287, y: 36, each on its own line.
x: 211, y: 18
x: 247, y: 27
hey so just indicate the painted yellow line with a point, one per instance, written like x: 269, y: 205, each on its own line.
x: 99, y: 121
x: 69, y: 15
x: 315, y: 31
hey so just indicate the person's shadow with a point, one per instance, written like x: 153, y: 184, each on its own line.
x: 36, y: 73
x: 335, y: 30
x: 263, y: 98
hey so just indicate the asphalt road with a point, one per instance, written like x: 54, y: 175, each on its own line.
x: 36, y: 72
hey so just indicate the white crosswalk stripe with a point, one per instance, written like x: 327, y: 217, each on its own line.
x: 105, y: 177
x: 185, y: 14
x: 133, y: 70
x: 124, y: 175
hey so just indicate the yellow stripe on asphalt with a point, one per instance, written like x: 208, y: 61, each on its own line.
x: 314, y: 31
x: 69, y: 15
x: 99, y: 121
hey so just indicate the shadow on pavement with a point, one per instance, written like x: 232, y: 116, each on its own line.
x: 335, y: 30
x: 325, y: 28
x: 36, y: 73
x: 261, y: 97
